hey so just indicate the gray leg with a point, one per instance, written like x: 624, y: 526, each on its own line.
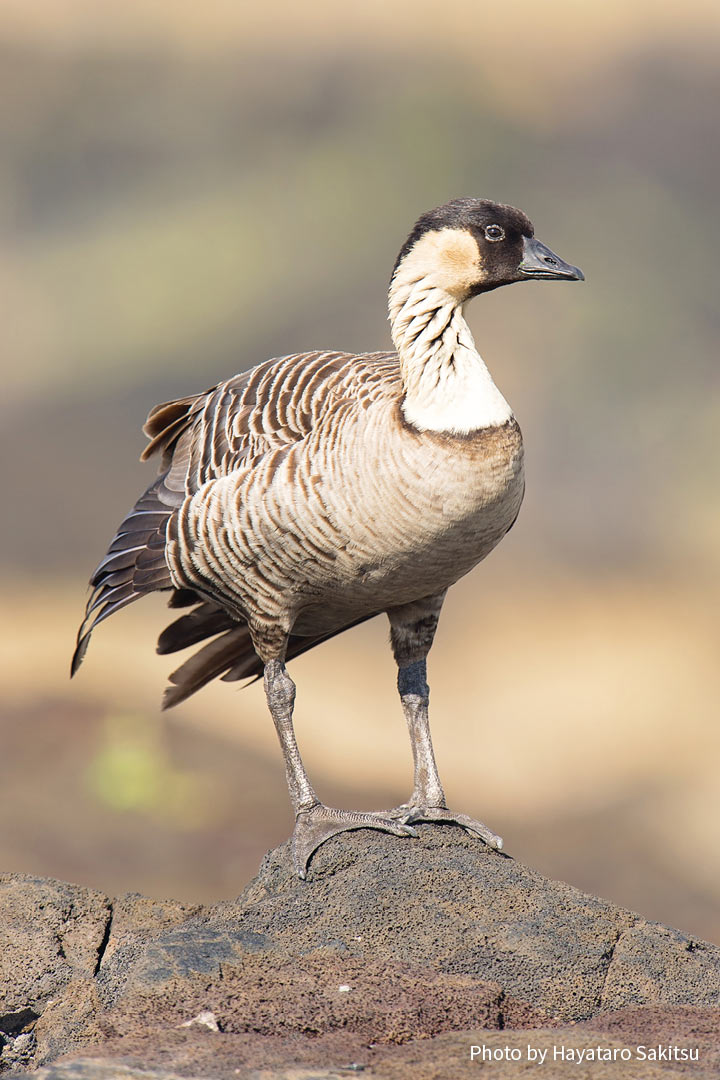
x: 314, y: 822
x: 412, y: 632
x: 280, y: 694
x: 415, y: 698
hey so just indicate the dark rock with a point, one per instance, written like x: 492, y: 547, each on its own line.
x: 394, y: 955
x: 655, y: 963
x: 49, y: 932
x: 447, y: 900
x: 100, y: 1070
x: 14, y: 1023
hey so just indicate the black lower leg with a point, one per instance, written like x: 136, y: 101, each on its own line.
x: 415, y: 697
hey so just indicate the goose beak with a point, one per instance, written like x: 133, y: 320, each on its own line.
x: 539, y: 261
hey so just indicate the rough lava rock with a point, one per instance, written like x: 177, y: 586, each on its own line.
x: 392, y: 960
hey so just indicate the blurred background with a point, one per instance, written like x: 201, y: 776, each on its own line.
x: 186, y: 190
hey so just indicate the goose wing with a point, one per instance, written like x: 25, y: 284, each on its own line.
x: 204, y: 437
x: 262, y: 410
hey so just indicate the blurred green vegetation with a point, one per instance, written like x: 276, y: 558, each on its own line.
x: 132, y: 770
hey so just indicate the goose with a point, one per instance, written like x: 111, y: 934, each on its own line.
x: 317, y: 490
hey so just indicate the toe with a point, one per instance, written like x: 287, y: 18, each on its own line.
x: 313, y: 827
x: 441, y: 815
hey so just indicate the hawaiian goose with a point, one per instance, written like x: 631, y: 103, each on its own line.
x: 315, y: 491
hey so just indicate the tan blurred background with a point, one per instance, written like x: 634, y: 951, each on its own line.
x: 188, y: 189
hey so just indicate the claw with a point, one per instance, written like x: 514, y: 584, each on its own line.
x: 414, y: 815
x: 318, y: 824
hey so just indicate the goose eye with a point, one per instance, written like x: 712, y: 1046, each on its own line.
x: 494, y: 232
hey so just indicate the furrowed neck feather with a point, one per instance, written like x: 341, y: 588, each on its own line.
x: 447, y: 386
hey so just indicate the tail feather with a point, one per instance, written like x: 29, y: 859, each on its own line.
x: 87, y: 627
x: 230, y: 657
x: 249, y: 667
x: 118, y: 560
x: 205, y: 621
x: 182, y: 598
x: 107, y: 597
x: 166, y: 422
x: 211, y: 661
x: 135, y: 562
x: 134, y: 565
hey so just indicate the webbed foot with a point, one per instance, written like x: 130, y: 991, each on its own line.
x: 413, y: 814
x: 316, y: 825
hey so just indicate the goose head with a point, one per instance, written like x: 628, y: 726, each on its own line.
x: 470, y: 246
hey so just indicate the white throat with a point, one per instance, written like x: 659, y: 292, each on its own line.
x: 447, y: 386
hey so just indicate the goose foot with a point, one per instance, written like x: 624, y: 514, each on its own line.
x: 415, y: 815
x: 316, y: 825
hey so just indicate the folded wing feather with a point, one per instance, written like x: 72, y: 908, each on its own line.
x: 200, y: 438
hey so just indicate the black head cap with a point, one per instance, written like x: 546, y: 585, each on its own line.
x: 474, y: 215
x: 505, y: 241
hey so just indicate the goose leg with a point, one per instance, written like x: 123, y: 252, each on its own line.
x: 412, y: 632
x: 314, y: 822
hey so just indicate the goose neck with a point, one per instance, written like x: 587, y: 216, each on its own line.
x: 446, y: 384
